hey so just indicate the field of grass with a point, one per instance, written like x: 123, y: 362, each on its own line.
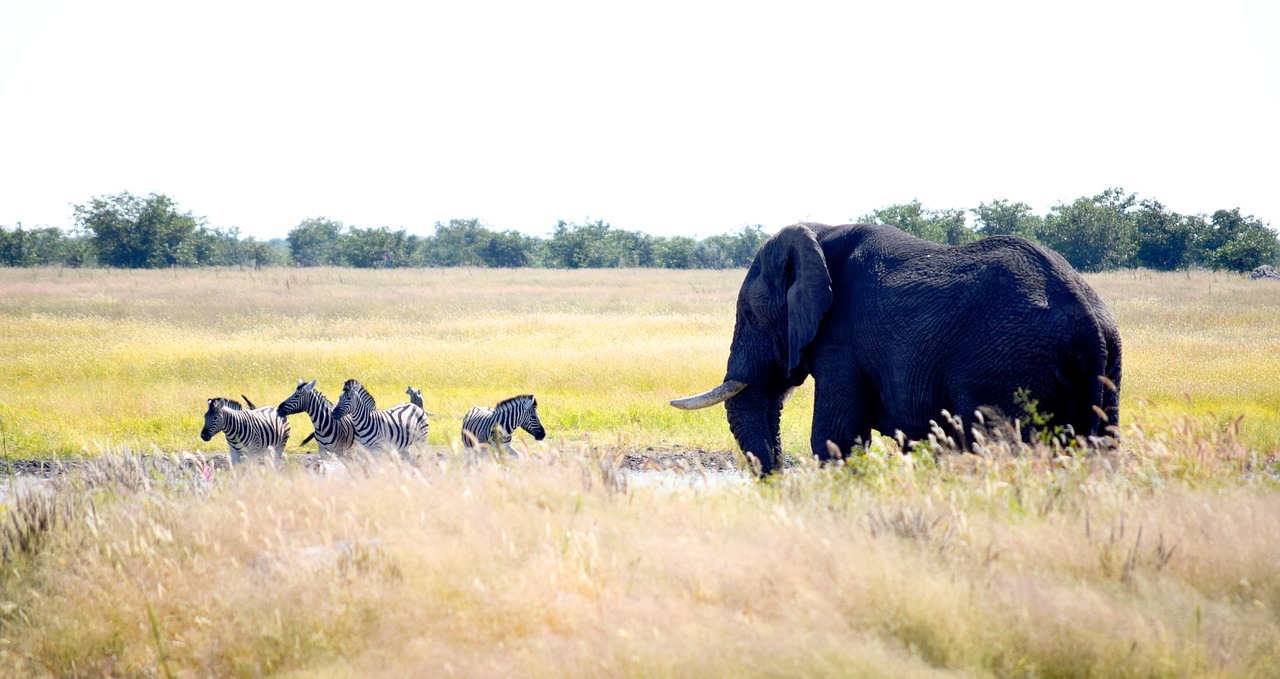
x: 129, y: 357
x: 97, y: 358
x: 1159, y: 558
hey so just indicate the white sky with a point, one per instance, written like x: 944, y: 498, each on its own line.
x: 690, y: 118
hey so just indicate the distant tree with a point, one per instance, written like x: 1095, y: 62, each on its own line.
x: 1002, y: 217
x: 456, y: 243
x: 314, y: 242
x: 469, y: 242
x: 1092, y: 233
x: 1239, y: 243
x: 36, y: 247
x: 731, y: 250
x: 1163, y: 239
x: 509, y: 249
x: 380, y: 247
x: 579, y: 246
x: 939, y: 226
x: 623, y: 248
x: 677, y: 252
x: 139, y: 232
x: 78, y: 249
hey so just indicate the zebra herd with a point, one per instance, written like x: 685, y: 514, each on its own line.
x: 355, y: 424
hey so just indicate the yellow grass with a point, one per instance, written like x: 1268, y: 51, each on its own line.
x: 95, y: 357
x: 130, y: 357
x: 1156, y: 559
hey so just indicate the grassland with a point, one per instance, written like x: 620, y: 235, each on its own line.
x: 97, y: 358
x: 1160, y: 558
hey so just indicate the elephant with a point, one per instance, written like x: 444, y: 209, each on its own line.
x: 895, y: 329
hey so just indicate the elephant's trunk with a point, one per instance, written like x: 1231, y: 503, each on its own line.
x: 709, y: 398
x: 754, y: 418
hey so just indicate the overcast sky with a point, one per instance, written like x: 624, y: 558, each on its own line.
x: 672, y: 118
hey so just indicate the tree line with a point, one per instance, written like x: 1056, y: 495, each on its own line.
x: 1113, y: 229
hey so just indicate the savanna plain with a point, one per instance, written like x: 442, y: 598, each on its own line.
x: 1158, y: 557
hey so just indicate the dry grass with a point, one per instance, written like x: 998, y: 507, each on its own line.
x: 1154, y: 561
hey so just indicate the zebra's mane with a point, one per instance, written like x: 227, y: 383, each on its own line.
x: 318, y: 396
x: 525, y: 401
x: 227, y: 403
x: 360, y: 392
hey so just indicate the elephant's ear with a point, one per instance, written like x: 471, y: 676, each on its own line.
x: 803, y: 270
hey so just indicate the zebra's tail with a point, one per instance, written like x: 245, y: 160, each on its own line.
x: 304, y: 441
x: 248, y: 402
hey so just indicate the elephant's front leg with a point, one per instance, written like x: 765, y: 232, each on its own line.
x: 842, y: 414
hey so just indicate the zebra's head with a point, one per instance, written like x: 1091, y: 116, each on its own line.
x: 299, y: 399
x: 354, y: 398
x: 215, y: 418
x: 415, y: 395
x: 529, y: 420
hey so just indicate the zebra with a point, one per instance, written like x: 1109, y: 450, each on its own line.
x: 415, y: 396
x: 335, y: 435
x: 249, y: 432
x: 396, y: 428
x: 495, y: 425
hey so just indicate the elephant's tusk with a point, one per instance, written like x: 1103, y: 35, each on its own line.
x: 722, y: 393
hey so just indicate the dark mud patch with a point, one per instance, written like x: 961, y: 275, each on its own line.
x: 676, y: 459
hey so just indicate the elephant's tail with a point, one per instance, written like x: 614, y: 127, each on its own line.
x: 1098, y: 389
x: 1111, y: 386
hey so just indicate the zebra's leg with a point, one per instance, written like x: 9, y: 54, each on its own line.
x: 233, y: 453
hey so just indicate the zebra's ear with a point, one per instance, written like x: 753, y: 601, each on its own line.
x: 309, y: 385
x: 300, y: 382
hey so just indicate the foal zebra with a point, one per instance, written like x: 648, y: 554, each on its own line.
x: 495, y: 425
x: 249, y: 432
x: 335, y: 435
x: 394, y: 429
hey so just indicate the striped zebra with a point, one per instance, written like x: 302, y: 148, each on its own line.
x: 250, y: 433
x: 335, y: 435
x: 395, y: 429
x: 495, y: 425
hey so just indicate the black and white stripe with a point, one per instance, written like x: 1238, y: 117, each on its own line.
x: 250, y: 433
x: 335, y: 435
x: 495, y: 425
x: 395, y: 429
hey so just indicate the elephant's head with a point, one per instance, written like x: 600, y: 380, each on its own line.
x: 782, y: 301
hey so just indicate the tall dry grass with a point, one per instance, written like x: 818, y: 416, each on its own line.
x: 1157, y: 560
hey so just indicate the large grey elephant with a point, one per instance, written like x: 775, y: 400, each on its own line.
x: 895, y: 329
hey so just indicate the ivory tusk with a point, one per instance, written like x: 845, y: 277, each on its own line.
x: 722, y: 393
